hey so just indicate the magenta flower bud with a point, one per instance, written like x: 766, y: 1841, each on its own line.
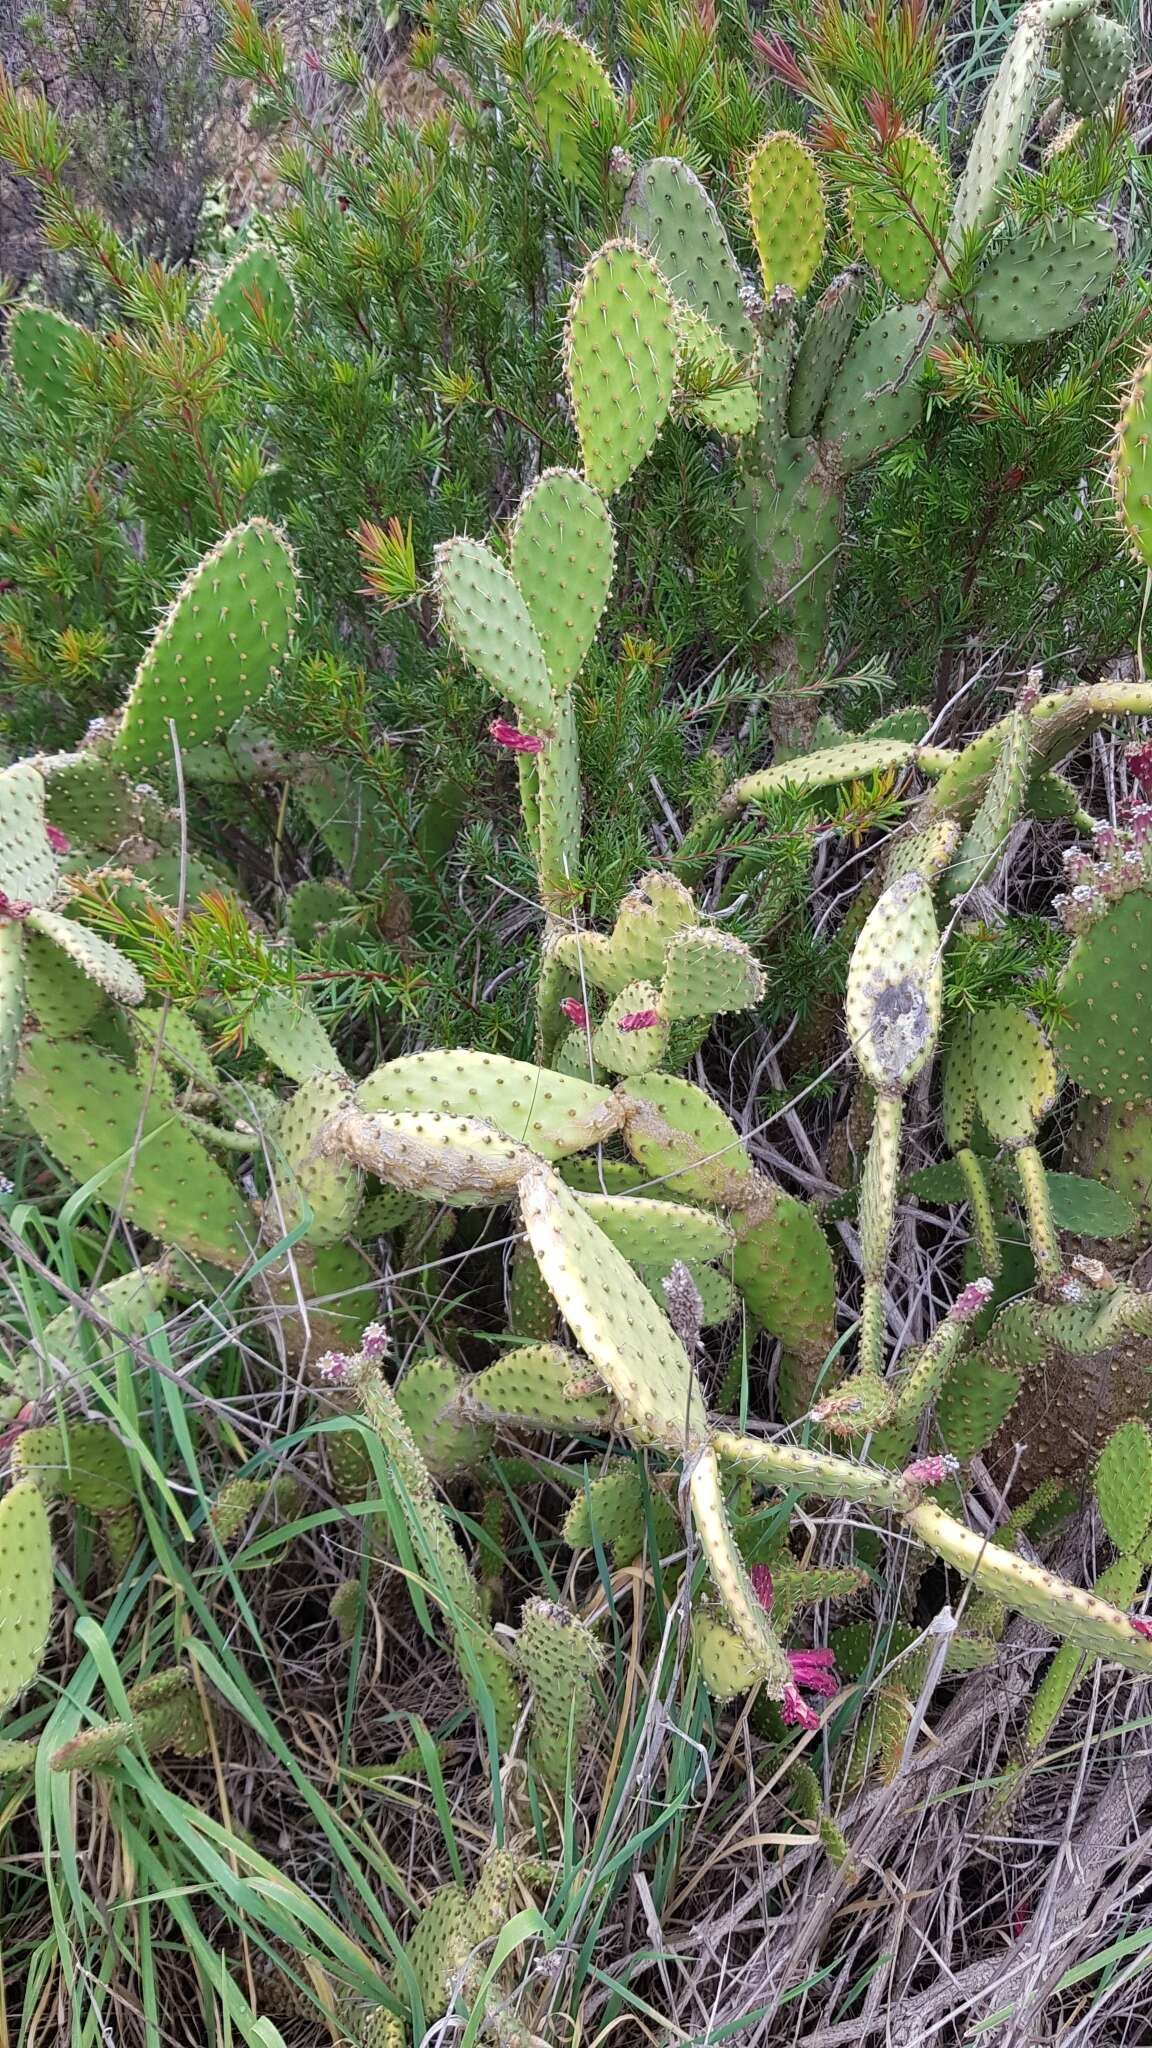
x: 638, y: 1020
x: 507, y: 735
x: 334, y: 1367
x: 12, y: 911
x: 971, y: 1300
x: 762, y: 1585
x: 1142, y: 1627
x: 57, y: 840
x: 375, y: 1342
x: 929, y: 1471
x: 575, y: 1012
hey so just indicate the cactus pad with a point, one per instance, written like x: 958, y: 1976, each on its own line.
x: 791, y: 521
x: 25, y: 1587
x: 533, y: 1386
x: 47, y: 353
x: 460, y: 1160
x: 827, y: 333
x: 12, y: 980
x: 307, y: 1182
x: 826, y: 768
x: 784, y: 1270
x: 85, y: 1463
x: 562, y: 551
x: 486, y: 614
x: 1013, y: 1073
x: 784, y: 196
x: 621, y: 1043
x: 534, y: 1106
x: 1006, y: 115
x: 669, y: 213
x: 253, y: 283
x: 91, y: 1114
x: 976, y: 1398
x: 571, y: 83
x: 615, y: 1508
x: 620, y: 351
x: 289, y: 1033
x: 96, y: 958
x: 726, y: 1665
x: 649, y: 1232
x: 899, y: 231
x: 217, y: 649
x: 877, y: 398
x: 1104, y: 1031
x: 708, y: 972
x: 1123, y: 1485
x: 449, y: 1441
x: 684, y: 1141
x: 1132, y: 462
x: 29, y: 872
x: 613, y: 1317
x: 1040, y: 282
x: 647, y: 920
x: 893, y: 1000
x: 1096, y: 55
x: 557, y: 1658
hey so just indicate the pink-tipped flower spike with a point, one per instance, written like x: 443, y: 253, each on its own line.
x: 575, y: 1012
x: 795, y: 1712
x: 815, y: 1671
x: 334, y: 1367
x: 375, y: 1343
x: 929, y: 1471
x: 971, y: 1300
x: 57, y: 840
x: 762, y: 1585
x: 638, y: 1020
x: 508, y: 735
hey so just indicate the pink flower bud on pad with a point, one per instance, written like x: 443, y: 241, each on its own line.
x: 507, y: 735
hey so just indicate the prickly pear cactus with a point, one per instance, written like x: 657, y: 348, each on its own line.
x: 25, y: 1587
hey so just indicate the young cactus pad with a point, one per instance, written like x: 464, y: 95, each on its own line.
x: 25, y: 1587
x: 784, y: 195
x: 620, y: 349
x: 217, y: 648
x: 562, y: 551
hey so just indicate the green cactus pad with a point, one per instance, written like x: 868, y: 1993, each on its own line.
x: 1006, y: 116
x: 1013, y: 1073
x: 91, y: 1113
x: 791, y: 520
x: 708, y: 972
x: 557, y: 812
x: 342, y: 809
x: 828, y: 768
x: 877, y: 398
x: 727, y: 1666
x: 620, y: 349
x: 899, y: 231
x: 181, y: 1045
x: 647, y: 920
x: 289, y: 1033
x: 539, y: 1386
x: 558, y: 1658
x: 718, y: 1299
x: 774, y: 367
x: 714, y: 387
x: 217, y: 648
x: 1096, y: 56
x: 96, y: 807
x: 684, y: 1142
x: 784, y: 1270
x: 998, y: 811
x: 534, y: 1106
x: 1039, y: 283
x: 48, y: 354
x: 613, y: 1317
x: 29, y: 871
x: 251, y: 294
x: 784, y: 196
x: 96, y: 958
x: 25, y: 1587
x: 1103, y: 1033
x: 449, y: 1441
x: 729, y: 1574
x: 167, y: 1720
x: 85, y: 1463
x: 650, y: 1232
x: 1114, y: 1146
x: 239, y: 1500
x: 313, y: 908
x: 669, y: 213
x: 1079, y: 1617
x: 562, y: 550
x: 12, y: 990
x: 531, y: 1309
x: 893, y: 1000
x: 308, y: 1183
x: 827, y: 333
x: 572, y: 91
x: 974, y: 1401
x: 624, y: 1049
x: 486, y: 614
x: 1123, y: 1485
x: 615, y: 1508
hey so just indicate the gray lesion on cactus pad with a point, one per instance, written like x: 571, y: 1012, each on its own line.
x: 900, y: 1027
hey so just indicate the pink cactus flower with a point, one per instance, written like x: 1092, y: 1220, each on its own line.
x: 929, y: 1471
x: 762, y: 1585
x: 971, y: 1300
x: 575, y: 1012
x: 815, y: 1670
x: 795, y: 1712
x: 508, y: 735
x: 638, y: 1020
x: 1140, y: 766
x: 334, y: 1367
x: 375, y: 1342
x: 11, y: 909
x: 57, y: 840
